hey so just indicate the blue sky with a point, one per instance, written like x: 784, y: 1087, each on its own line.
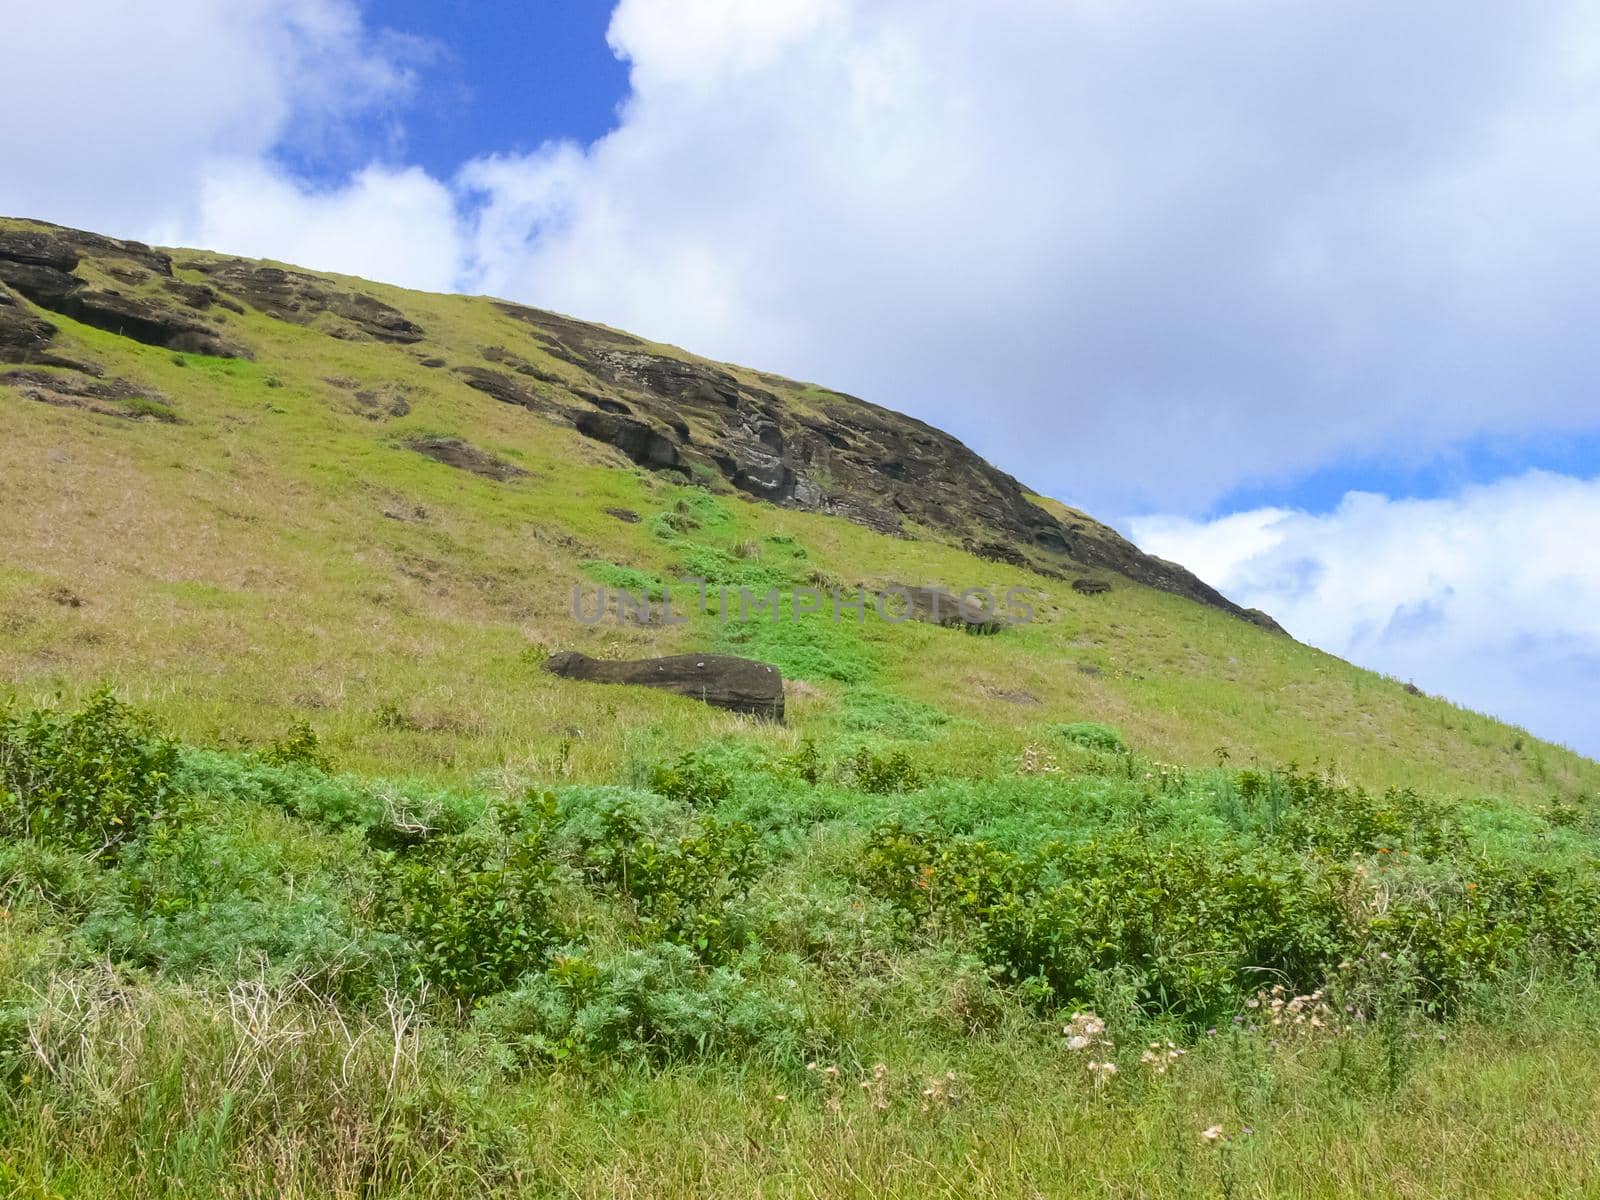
x: 1299, y: 294
x: 499, y: 77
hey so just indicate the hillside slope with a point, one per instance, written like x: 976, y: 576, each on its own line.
x: 247, y: 493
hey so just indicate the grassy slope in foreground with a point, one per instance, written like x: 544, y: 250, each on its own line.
x: 281, y: 552
x: 476, y: 965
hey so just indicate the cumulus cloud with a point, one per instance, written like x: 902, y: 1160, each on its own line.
x: 1490, y: 597
x: 1139, y: 255
x: 174, y: 126
x: 395, y: 225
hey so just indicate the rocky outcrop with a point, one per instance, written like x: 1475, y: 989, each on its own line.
x: 836, y: 454
x: 939, y: 607
x: 299, y: 298
x: 108, y: 397
x: 454, y: 452
x: 775, y: 440
x: 24, y: 338
x: 740, y: 684
x: 39, y: 264
x: 503, y: 388
x: 645, y: 445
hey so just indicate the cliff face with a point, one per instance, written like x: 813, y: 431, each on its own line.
x: 771, y: 438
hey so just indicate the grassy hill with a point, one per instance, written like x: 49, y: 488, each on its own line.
x: 395, y: 911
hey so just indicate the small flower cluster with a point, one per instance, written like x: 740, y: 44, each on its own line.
x: 940, y: 1092
x: 1159, y: 1057
x: 1294, y: 1014
x: 1087, y: 1032
x: 830, y: 1076
x: 1037, y: 760
x: 1212, y: 1134
x: 877, y: 1086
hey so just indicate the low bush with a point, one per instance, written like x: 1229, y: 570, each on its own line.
x: 90, y: 780
x: 474, y: 908
x: 1094, y: 736
x: 682, y: 888
x: 657, y: 1002
x: 1197, y: 924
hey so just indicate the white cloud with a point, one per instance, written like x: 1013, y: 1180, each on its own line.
x: 164, y: 123
x: 1138, y: 255
x: 395, y: 225
x: 1490, y: 597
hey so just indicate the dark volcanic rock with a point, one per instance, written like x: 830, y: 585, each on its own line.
x: 200, y: 296
x: 146, y: 321
x: 99, y: 247
x: 740, y: 684
x: 1090, y: 587
x: 36, y: 265
x: 37, y: 248
x: 646, y: 446
x: 939, y: 607
x: 503, y: 388
x: 454, y: 452
x: 24, y: 338
x: 110, y: 397
x: 298, y: 298
x: 46, y: 286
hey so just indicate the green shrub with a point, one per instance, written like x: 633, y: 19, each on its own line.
x: 1093, y: 735
x: 867, y: 710
x: 813, y: 647
x: 475, y: 907
x: 208, y: 897
x: 626, y: 579
x: 91, y: 781
x: 885, y: 774
x: 1196, y: 923
x: 683, y: 889
x: 694, y: 780
x: 298, y: 747
x: 656, y: 1003
x: 1342, y: 821
x: 806, y: 762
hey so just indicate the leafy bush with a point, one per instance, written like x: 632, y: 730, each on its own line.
x: 627, y: 579
x: 207, y: 896
x: 885, y: 774
x: 806, y: 762
x: 90, y: 781
x: 1094, y: 735
x: 299, y: 747
x: 1343, y: 821
x: 1196, y: 922
x: 335, y: 801
x: 867, y: 710
x: 475, y: 907
x: 694, y: 780
x: 683, y: 888
x: 657, y: 1003
x: 813, y: 647
x: 721, y: 568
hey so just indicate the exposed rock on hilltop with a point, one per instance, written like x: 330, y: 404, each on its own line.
x: 42, y: 264
x: 833, y: 453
